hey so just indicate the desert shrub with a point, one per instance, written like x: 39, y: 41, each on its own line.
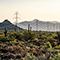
x: 57, y: 57
x: 50, y: 39
x: 9, y: 44
x: 4, y: 45
x: 47, y: 45
x: 11, y: 38
x: 41, y: 33
x: 35, y: 46
x: 42, y: 42
x: 58, y: 34
x: 18, y: 36
x: 0, y: 47
x: 15, y: 35
x: 37, y: 35
x: 22, y: 43
x: 30, y: 56
x: 57, y: 47
x: 29, y: 35
x: 3, y: 39
x: 16, y: 43
x: 30, y: 45
x: 54, y: 35
x: 1, y: 35
x: 43, y: 37
x: 53, y: 51
x: 26, y: 35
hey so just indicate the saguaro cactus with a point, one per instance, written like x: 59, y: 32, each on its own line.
x: 28, y: 27
x: 5, y: 32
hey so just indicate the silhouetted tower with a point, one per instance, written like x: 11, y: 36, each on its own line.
x: 47, y: 26
x: 36, y: 25
x: 16, y: 17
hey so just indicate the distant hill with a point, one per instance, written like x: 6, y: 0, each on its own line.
x: 44, y: 26
x: 8, y: 25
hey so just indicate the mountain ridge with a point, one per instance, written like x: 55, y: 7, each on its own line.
x: 42, y: 25
x: 6, y: 23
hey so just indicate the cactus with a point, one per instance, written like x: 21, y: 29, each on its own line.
x: 5, y: 32
x: 28, y: 27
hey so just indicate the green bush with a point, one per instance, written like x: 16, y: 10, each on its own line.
x: 54, y: 35
x: 57, y: 57
x: 58, y: 34
x: 42, y: 42
x: 50, y: 39
x: 29, y: 35
x: 30, y: 56
x: 9, y: 44
x: 43, y: 37
x: 48, y: 45
x: 15, y: 35
x: 3, y: 39
x: 11, y: 38
x: 57, y: 47
x: 30, y: 45
x: 53, y: 51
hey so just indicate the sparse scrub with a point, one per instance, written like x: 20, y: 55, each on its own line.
x: 30, y: 45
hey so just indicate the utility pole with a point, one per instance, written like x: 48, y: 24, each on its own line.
x: 16, y: 18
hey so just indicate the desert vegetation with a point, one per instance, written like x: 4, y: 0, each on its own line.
x: 29, y: 45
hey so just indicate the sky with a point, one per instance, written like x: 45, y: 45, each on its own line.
x: 44, y: 10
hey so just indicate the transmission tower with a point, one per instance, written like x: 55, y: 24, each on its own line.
x: 16, y: 17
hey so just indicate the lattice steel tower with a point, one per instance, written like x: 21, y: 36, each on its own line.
x: 16, y: 17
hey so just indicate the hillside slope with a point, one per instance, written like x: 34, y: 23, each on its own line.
x: 8, y: 25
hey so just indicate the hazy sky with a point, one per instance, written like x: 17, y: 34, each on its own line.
x: 45, y: 10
